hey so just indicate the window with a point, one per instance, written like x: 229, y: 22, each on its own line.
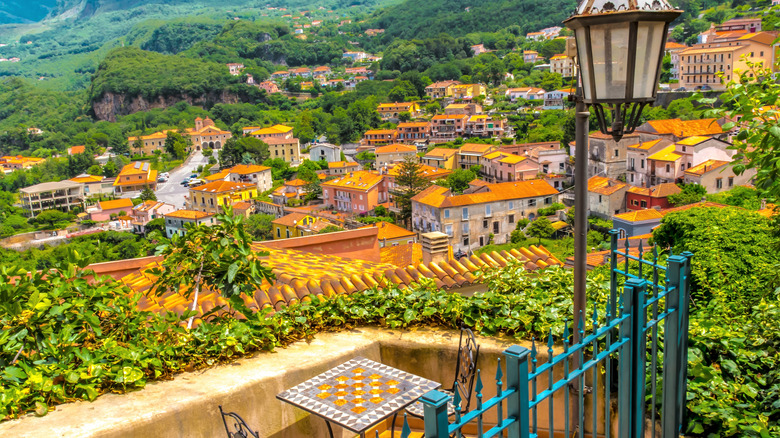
x: 447, y: 213
x: 632, y: 177
x: 448, y: 230
x: 599, y: 198
x: 719, y: 183
x: 465, y: 213
x: 288, y: 234
x: 485, y: 223
x: 466, y: 241
x: 642, y: 163
x: 511, y: 205
x: 465, y: 228
x: 532, y: 202
x: 495, y: 227
x: 644, y: 204
x: 511, y: 218
x: 278, y: 232
x: 617, y: 152
x: 548, y: 200
x: 731, y: 181
x: 683, y: 149
x: 634, y: 202
x: 361, y: 197
x: 487, y: 210
x: 668, y: 168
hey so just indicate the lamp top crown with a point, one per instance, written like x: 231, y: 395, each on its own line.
x: 588, y: 7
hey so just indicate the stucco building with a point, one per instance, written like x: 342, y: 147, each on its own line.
x: 483, y: 210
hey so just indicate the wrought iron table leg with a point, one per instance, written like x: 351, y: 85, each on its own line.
x: 330, y: 430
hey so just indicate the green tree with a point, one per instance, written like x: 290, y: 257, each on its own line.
x: 259, y: 226
x: 330, y: 229
x: 95, y: 169
x: 147, y: 194
x: 540, y: 228
x: 111, y: 169
x: 138, y: 145
x: 175, y: 145
x: 402, y: 91
x: 52, y: 219
x: 459, y: 180
x: 243, y: 150
x: 409, y: 182
x: 218, y: 258
x: 752, y: 98
x: 156, y: 225
x: 118, y: 143
x: 404, y: 116
x: 691, y: 193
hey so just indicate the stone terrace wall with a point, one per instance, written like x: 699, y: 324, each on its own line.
x: 187, y: 405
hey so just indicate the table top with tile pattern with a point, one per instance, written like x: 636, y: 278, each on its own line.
x: 358, y: 394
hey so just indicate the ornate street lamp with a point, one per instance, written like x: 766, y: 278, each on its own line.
x: 620, y: 47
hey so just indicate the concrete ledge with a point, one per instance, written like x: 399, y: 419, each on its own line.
x: 187, y: 405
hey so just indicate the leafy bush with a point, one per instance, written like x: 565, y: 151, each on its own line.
x: 600, y: 223
x: 549, y: 211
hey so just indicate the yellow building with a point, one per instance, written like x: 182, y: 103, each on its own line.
x: 19, y: 162
x: 280, y: 141
x: 700, y: 63
x: 298, y: 225
x: 442, y: 158
x: 393, y: 110
x: 468, y: 91
x: 135, y: 177
x: 211, y: 197
x: 204, y: 135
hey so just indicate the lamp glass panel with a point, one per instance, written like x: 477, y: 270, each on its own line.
x: 609, y: 44
x: 583, y: 60
x: 649, y: 43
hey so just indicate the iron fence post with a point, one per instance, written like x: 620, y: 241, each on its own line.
x: 435, y: 414
x: 672, y: 346
x: 685, y: 300
x: 631, y: 386
x: 517, y: 403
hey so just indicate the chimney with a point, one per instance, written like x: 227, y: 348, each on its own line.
x: 434, y: 247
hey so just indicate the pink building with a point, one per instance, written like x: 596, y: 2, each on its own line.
x: 147, y: 211
x: 119, y: 207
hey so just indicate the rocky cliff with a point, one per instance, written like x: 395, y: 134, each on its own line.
x: 111, y: 105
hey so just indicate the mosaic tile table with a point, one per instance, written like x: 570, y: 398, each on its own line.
x: 358, y: 394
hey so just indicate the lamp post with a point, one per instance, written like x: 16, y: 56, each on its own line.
x: 620, y: 48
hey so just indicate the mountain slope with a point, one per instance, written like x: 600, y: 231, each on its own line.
x: 415, y: 19
x: 25, y: 11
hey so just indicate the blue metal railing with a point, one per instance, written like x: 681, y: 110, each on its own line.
x: 609, y: 354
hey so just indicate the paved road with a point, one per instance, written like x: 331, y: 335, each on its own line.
x: 172, y: 191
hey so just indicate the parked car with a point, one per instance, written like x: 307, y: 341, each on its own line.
x: 196, y: 182
x: 681, y: 89
x: 166, y: 174
x: 706, y: 88
x: 162, y: 179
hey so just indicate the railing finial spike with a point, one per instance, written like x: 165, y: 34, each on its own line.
x: 406, y: 430
x: 479, y: 384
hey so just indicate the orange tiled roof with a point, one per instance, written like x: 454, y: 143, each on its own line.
x: 276, y: 129
x: 241, y: 205
x: 299, y: 275
x: 412, y: 125
x: 188, y: 214
x: 223, y: 186
x: 245, y: 169
x: 671, y: 45
x: 379, y: 132
x: 401, y: 255
x: 649, y: 214
x: 117, y: 203
x: 686, y: 128
x: 666, y: 154
x: 444, y: 153
x: 297, y: 182
x: 390, y: 231
x: 441, y: 197
x: 428, y: 172
x: 511, y: 159
x: 394, y: 149
x: 218, y: 176
x: 77, y: 149
x: 603, y: 185
x: 645, y: 145
x: 707, y: 166
x: 87, y: 179
x: 476, y: 148
x: 340, y: 164
x: 693, y: 140
x: 449, y: 116
x: 659, y: 191
x: 360, y: 180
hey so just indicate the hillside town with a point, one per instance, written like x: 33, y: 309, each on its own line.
x: 241, y: 204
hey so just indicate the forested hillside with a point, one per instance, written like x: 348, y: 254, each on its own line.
x: 415, y: 19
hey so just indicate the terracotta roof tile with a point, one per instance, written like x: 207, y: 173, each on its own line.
x: 361, y: 180
x: 444, y: 153
x: 300, y: 275
x: 439, y: 197
x: 604, y: 186
x: 707, y: 166
x: 188, y: 214
x: 223, y: 186
x: 666, y: 154
x: 395, y: 148
x: 390, y: 231
x: 117, y: 203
